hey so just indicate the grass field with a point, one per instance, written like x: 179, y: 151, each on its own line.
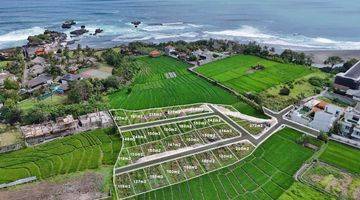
x: 236, y: 72
x: 9, y: 135
x: 54, y: 100
x: 152, y: 89
x: 342, y: 156
x: 301, y: 88
x: 79, y: 152
x: 266, y: 174
x: 300, y: 191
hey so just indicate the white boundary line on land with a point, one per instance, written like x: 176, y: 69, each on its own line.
x: 210, y: 126
x: 192, y: 154
x: 167, y: 119
x: 157, y: 108
x: 122, y: 146
x: 188, y: 179
x: 242, y: 128
x: 117, y: 159
x: 180, y: 120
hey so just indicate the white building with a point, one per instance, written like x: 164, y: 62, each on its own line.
x: 169, y: 50
x: 350, y: 124
x: 317, y: 114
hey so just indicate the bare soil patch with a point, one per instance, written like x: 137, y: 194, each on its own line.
x: 82, y: 187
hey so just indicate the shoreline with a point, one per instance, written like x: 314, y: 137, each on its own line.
x: 320, y: 55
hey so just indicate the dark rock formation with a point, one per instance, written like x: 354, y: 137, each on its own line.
x: 46, y: 38
x: 68, y: 24
x: 136, y: 23
x: 79, y: 32
x: 98, y: 31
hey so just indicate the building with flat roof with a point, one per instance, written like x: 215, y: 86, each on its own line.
x: 348, y: 80
x: 317, y: 114
x: 95, y: 120
x: 350, y: 124
x: 38, y: 133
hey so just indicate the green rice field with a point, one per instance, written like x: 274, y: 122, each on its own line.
x: 266, y: 174
x: 79, y: 152
x: 342, y: 156
x: 153, y: 88
x: 300, y: 191
x: 236, y: 73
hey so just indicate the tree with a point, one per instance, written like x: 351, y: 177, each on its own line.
x: 111, y: 82
x: 36, y: 116
x: 349, y: 63
x: 316, y: 81
x: 89, y: 52
x: 54, y: 70
x: 323, y: 136
x: 66, y: 53
x: 333, y: 60
x: 80, y: 91
x: 10, y: 115
x: 11, y: 84
x: 284, y: 91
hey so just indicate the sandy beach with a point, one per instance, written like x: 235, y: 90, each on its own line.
x: 320, y: 55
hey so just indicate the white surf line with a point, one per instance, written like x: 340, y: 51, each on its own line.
x: 217, y: 169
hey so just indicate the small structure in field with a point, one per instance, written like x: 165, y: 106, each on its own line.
x: 154, y: 54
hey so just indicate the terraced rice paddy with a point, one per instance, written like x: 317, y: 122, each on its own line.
x: 236, y: 72
x: 83, y: 151
x: 152, y: 89
x: 266, y: 174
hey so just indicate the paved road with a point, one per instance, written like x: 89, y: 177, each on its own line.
x: 284, y: 121
x: 244, y: 135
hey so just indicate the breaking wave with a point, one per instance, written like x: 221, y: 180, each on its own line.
x: 20, y: 35
x: 294, y: 41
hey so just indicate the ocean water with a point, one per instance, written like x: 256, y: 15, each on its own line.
x: 298, y: 24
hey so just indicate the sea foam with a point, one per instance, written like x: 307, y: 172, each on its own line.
x: 20, y: 35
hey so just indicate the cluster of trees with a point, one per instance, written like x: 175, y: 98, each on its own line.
x: 86, y: 89
x: 125, y: 67
x: 17, y: 64
x: 84, y: 96
x: 44, y: 112
x: 252, y: 48
x: 336, y: 60
x: 299, y: 58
